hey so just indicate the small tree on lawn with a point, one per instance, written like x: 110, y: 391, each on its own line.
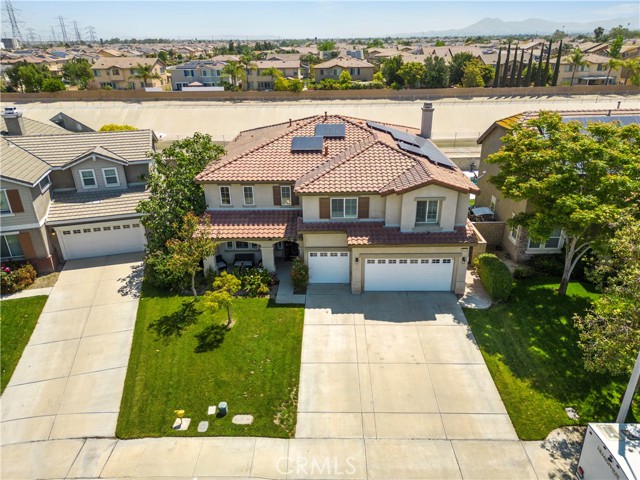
x: 225, y: 286
x: 576, y: 178
x: 195, y: 244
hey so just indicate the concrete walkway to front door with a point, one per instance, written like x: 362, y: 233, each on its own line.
x: 69, y: 381
x: 394, y: 365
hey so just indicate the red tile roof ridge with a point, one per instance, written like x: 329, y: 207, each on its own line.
x: 276, y: 125
x: 342, y: 157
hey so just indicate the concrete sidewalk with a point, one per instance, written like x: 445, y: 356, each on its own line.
x: 69, y: 381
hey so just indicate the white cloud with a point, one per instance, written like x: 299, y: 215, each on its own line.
x: 619, y: 9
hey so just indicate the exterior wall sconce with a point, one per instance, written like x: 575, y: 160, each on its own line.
x: 464, y: 259
x: 357, y: 259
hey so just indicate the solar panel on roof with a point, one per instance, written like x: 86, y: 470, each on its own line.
x: 398, y: 135
x: 307, y: 144
x: 623, y: 119
x: 430, y: 152
x: 330, y: 130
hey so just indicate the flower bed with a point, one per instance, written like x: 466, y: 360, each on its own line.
x: 16, y: 276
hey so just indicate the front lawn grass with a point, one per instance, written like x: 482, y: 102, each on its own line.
x: 18, y: 318
x: 179, y: 365
x: 531, y: 348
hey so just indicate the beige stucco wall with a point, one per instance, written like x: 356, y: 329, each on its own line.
x: 97, y: 166
x: 393, y: 210
x: 311, y: 205
x: 133, y: 173
x: 41, y: 201
x: 447, y: 213
x: 325, y: 240
x: 262, y: 195
x: 462, y: 209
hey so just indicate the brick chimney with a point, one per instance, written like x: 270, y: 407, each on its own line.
x: 427, y: 120
x: 13, y: 119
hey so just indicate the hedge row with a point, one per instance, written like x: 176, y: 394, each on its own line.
x: 495, y: 276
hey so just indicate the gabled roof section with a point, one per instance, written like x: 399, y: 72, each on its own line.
x: 59, y: 150
x: 20, y: 166
x: 34, y: 127
x: 91, y: 154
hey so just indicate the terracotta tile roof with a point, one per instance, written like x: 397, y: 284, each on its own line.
x: 375, y: 233
x: 365, y: 160
x: 73, y: 206
x: 250, y: 224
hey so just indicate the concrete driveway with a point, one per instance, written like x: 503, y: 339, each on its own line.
x: 69, y: 381
x: 397, y: 365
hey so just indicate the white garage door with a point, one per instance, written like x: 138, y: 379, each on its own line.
x: 408, y: 274
x: 96, y: 239
x: 329, y: 267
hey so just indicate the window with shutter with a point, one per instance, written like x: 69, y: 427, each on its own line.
x: 363, y: 207
x: 15, y: 202
x: 325, y: 207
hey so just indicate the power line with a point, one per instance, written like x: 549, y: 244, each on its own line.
x: 31, y: 35
x: 92, y: 33
x: 53, y: 35
x: 15, y: 30
x: 63, y: 29
x: 77, y: 30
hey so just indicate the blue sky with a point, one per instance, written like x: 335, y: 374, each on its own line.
x: 292, y: 19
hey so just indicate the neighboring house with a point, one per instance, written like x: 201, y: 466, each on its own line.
x: 109, y: 53
x: 515, y: 241
x: 70, y: 195
x: 593, y: 73
x: 257, y: 81
x: 118, y: 73
x: 376, y: 206
x: 359, y: 70
x: 206, y: 72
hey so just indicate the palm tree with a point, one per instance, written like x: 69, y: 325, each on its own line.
x: 235, y: 71
x: 272, y: 72
x: 614, y: 56
x: 145, y: 73
x: 246, y: 60
x: 577, y: 60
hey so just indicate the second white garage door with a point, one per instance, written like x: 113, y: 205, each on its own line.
x: 96, y: 239
x: 408, y: 274
x: 329, y: 267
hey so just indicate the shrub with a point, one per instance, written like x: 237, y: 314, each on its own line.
x: 495, y: 276
x: 299, y: 274
x: 254, y: 281
x: 158, y: 273
x: 15, y: 277
x: 522, y: 272
x: 551, y: 265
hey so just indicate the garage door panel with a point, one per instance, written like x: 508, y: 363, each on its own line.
x: 96, y: 239
x: 413, y: 275
x: 328, y: 267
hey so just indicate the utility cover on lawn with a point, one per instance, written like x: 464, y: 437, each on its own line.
x: 242, y: 419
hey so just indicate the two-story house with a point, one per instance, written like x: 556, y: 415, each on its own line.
x: 257, y: 80
x: 515, y: 241
x: 376, y: 206
x: 593, y: 72
x: 206, y: 72
x: 119, y: 73
x: 70, y: 195
x: 360, y: 70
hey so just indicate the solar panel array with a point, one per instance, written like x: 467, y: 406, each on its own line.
x: 416, y: 145
x: 331, y: 130
x: 307, y: 144
x: 623, y: 119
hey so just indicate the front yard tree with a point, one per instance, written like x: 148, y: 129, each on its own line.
x: 194, y: 245
x: 390, y: 68
x: 577, y: 179
x: 412, y: 74
x: 77, y: 71
x: 145, y: 73
x: 437, y: 72
x: 610, y: 331
x: 173, y: 191
x: 225, y: 286
x: 456, y: 66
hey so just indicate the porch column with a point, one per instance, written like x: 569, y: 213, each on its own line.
x: 268, y: 259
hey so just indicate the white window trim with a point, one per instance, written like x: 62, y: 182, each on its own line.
x: 104, y: 176
x: 512, y: 239
x: 244, y: 197
x: 344, y: 215
x: 438, y: 212
x: 10, y: 212
x: 282, y: 198
x: 228, y: 190
x: 2, y: 239
x: 48, y: 186
x: 542, y: 248
x: 95, y: 179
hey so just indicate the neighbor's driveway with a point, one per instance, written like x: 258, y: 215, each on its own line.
x: 397, y: 365
x: 69, y: 381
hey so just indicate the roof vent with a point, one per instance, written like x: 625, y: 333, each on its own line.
x: 330, y: 130
x: 307, y: 144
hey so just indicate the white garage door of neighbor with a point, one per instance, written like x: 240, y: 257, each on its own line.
x: 105, y: 238
x: 408, y: 274
x: 329, y: 267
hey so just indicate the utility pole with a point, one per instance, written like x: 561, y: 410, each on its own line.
x: 92, y: 33
x: 31, y: 35
x: 63, y: 29
x: 77, y: 30
x: 15, y: 30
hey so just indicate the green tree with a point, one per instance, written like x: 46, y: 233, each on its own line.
x: 575, y: 178
x: 456, y: 67
x: 610, y: 330
x: 412, y: 74
x: 12, y: 73
x: 32, y: 76
x: 236, y: 72
x: 247, y: 62
x: 344, y: 79
x: 145, y: 73
x: 272, y: 72
x: 472, y: 74
x: 376, y: 43
x: 576, y: 60
x: 327, y: 46
x: 195, y: 244
x: 173, y: 190
x: 440, y: 43
x: 597, y: 33
x: 615, y: 56
x: 114, y: 127
x: 534, y: 69
x: 53, y: 85
x: 632, y: 66
x: 78, y: 72
x: 225, y: 286
x: 163, y: 56
x: 390, y: 69
x: 436, y: 72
